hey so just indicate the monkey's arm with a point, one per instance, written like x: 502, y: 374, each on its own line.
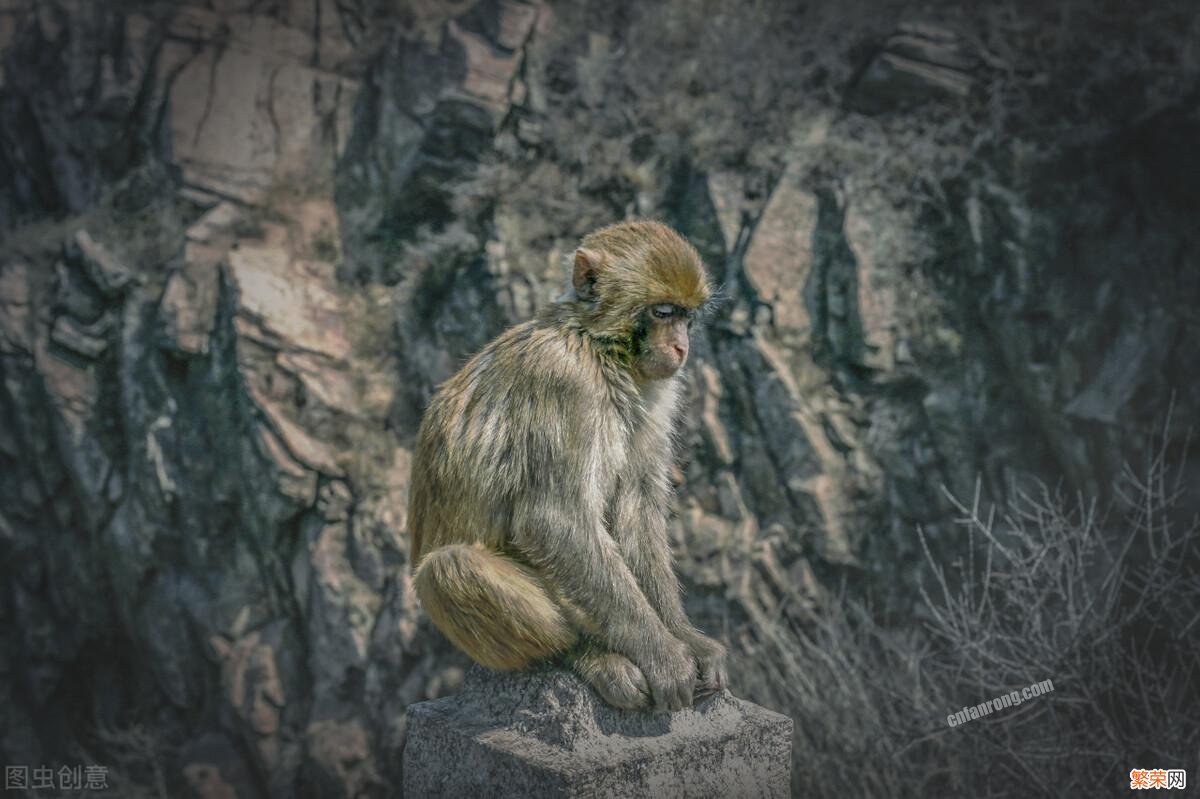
x: 563, y: 534
x: 641, y: 519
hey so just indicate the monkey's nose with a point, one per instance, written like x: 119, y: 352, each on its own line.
x: 680, y: 352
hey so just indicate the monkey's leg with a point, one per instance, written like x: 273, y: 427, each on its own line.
x: 491, y: 607
x: 619, y: 682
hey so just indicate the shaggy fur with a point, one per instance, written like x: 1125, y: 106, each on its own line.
x: 540, y: 485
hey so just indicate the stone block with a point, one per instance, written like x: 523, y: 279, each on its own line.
x: 546, y: 734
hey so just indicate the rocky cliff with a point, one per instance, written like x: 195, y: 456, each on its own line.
x: 242, y: 242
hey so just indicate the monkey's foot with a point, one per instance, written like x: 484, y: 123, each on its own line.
x: 615, y: 677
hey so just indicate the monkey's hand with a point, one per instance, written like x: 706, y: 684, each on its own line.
x: 710, y: 663
x: 671, y: 674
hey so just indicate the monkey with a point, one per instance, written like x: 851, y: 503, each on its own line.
x: 540, y: 482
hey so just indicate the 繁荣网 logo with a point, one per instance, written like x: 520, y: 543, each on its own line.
x: 1157, y: 778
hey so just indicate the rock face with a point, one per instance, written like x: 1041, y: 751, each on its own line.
x: 546, y: 734
x: 241, y: 243
x: 916, y: 63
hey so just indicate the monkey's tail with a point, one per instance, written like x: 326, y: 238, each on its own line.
x: 491, y: 607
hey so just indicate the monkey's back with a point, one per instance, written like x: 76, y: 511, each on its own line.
x: 497, y: 429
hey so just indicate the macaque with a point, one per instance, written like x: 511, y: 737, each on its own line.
x: 540, y: 484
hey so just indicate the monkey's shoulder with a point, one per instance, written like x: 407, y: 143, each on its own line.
x: 531, y: 379
x: 529, y: 407
x: 538, y: 360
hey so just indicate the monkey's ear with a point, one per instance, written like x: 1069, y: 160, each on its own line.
x: 583, y: 276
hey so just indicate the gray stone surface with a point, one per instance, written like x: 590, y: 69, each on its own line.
x: 546, y: 734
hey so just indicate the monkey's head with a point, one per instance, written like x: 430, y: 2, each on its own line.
x: 639, y: 285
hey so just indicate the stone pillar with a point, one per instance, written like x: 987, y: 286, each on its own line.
x: 546, y: 734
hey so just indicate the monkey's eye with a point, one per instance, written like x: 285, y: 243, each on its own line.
x: 664, y: 311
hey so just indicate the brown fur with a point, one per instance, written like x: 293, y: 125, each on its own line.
x: 540, y: 483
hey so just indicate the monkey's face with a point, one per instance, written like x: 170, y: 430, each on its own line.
x: 663, y: 336
x: 637, y: 285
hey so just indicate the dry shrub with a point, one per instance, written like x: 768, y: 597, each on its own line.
x: 1105, y: 605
